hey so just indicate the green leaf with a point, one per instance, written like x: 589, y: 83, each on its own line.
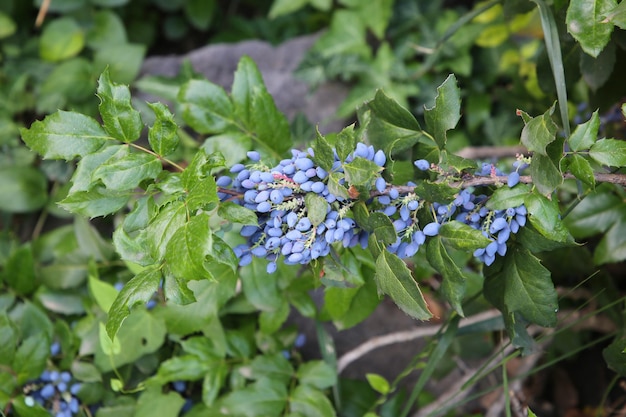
x: 200, y: 13
x: 446, y: 112
x: 154, y: 402
x: 345, y: 142
x: 323, y: 152
x: 361, y: 172
x: 581, y: 168
x: 394, y: 279
x: 545, y: 173
x: 193, y: 248
x: 316, y: 207
x: 103, y: 292
x: 345, y: 35
x: 544, y: 215
x: 161, y: 229
x: 617, y: 16
x: 378, y: 383
x: 8, y: 340
x: 505, y: 197
x: 120, y: 119
x: 70, y: 81
x: 615, y: 356
x: 108, y: 346
x: 454, y: 282
x: 382, y: 228
x: 205, y: 106
x: 27, y: 186
x: 65, y: 135
x: 334, y: 187
x: 82, y: 180
x: 274, y: 367
x: 612, y: 247
x: 350, y: 306
x: 595, y: 214
x: 435, y: 192
x: 585, y: 23
x: 95, y: 203
x: 138, y: 290
x: 317, y: 373
x: 30, y: 358
x: 597, y: 71
x: 7, y: 25
x: 610, y: 152
x: 213, y: 382
x: 186, y: 368
x: 270, y: 321
x: 269, y: 124
x: 461, y: 236
x: 585, y: 134
x: 162, y: 135
x: 202, y: 194
x: 237, y: 214
x: 108, y: 28
x: 518, y: 284
x: 283, y: 7
x: 259, y: 287
x: 308, y: 401
x: 126, y: 170
x: 247, y: 78
x: 91, y: 243
x: 262, y: 398
x: 122, y: 59
x: 538, y: 132
x: 62, y: 38
x: 391, y: 128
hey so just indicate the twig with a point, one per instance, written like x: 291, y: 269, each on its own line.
x: 41, y: 15
x: 489, y: 152
x: 406, y: 336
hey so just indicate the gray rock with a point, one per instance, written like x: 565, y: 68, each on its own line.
x: 277, y: 64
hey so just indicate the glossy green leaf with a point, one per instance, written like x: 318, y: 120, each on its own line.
x: 65, y: 135
x: 435, y: 192
x: 461, y: 236
x: 274, y: 367
x: 162, y: 135
x: 269, y: 124
x: 170, y: 218
x: 391, y: 128
x: 545, y: 216
x: 446, y: 112
x: 95, y: 203
x: 119, y: 117
x: 518, y: 284
x: 545, y: 173
x: 308, y: 401
x: 323, y: 153
x: 595, y: 214
x: 205, y: 106
x: 394, y: 279
x: 581, y: 168
x: 454, y: 281
x: 610, y: 152
x: 213, y: 382
x: 378, y: 383
x: 505, y: 197
x: 154, y: 402
x: 538, y: 132
x: 30, y: 358
x: 126, y: 170
x: 361, y: 172
x: 317, y: 373
x: 316, y: 207
x: 612, y: 247
x: 617, y: 16
x: 334, y: 186
x: 122, y: 59
x: 247, y: 78
x: 202, y: 194
x: 237, y: 214
x: 82, y: 180
x: 345, y: 35
x: 138, y: 290
x: 62, y: 38
x: 262, y: 398
x: 585, y: 135
x: 585, y: 23
x: 26, y: 186
x: 103, y: 292
x: 382, y: 227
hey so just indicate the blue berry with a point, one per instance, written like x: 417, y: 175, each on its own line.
x: 513, y: 179
x: 422, y: 164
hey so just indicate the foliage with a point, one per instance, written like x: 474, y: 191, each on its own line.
x: 184, y: 308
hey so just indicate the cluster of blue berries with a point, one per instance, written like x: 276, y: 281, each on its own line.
x: 277, y: 195
x: 56, y: 392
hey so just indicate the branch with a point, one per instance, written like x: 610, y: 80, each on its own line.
x: 475, y: 181
x: 489, y: 152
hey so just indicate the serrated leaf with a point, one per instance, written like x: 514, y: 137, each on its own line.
x: 127, y: 171
x: 595, y: 214
x: 9, y: 337
x: 205, y: 106
x: 323, y: 152
x: 65, y: 135
x: 435, y: 192
x: 275, y: 367
x: 461, y: 236
x: 269, y: 124
x: 261, y: 398
x: 382, y: 228
x: 82, y: 180
x: 612, y: 247
x: 505, y: 197
x: 203, y: 194
x: 247, y: 77
x: 391, y: 128
x: 446, y: 112
x: 119, y: 117
x: 544, y: 215
x: 518, y: 284
x: 394, y: 279
x: 454, y: 282
x: 162, y: 135
x: 317, y: 373
x: 138, y: 290
x: 96, y: 202
x: 237, y: 214
x: 545, y: 174
x: 617, y: 16
x: 610, y: 152
x: 170, y: 218
x: 538, y: 132
x: 361, y: 172
x: 316, y: 207
x: 335, y: 188
x: 585, y: 23
x: 30, y: 358
x: 581, y: 168
x: 345, y: 142
x: 585, y: 134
